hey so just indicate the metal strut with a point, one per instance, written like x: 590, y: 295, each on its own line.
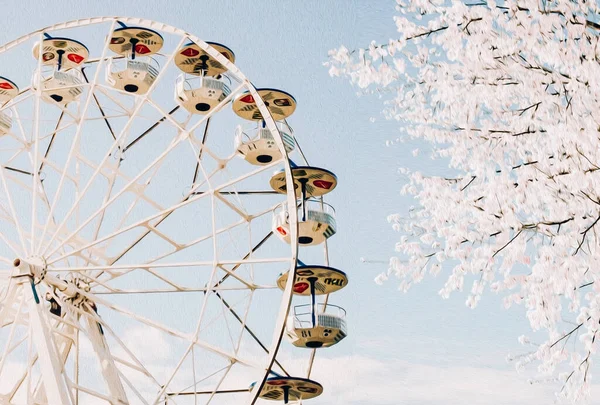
x: 133, y: 42
x: 303, y: 182
x: 313, y: 298
x: 286, y: 394
x: 55, y: 383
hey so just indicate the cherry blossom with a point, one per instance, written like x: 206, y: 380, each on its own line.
x: 508, y: 94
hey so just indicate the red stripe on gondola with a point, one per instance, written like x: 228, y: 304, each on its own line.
x: 323, y: 184
x: 73, y: 57
x: 300, y: 287
x: 247, y: 99
x: 190, y: 52
x: 277, y: 382
x: 6, y: 86
x: 142, y: 49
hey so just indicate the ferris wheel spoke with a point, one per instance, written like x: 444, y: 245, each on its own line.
x: 199, y: 159
x: 112, y: 291
x: 248, y: 255
x: 242, y: 321
x: 11, y: 206
x: 148, y: 232
x: 36, y: 142
x: 149, y: 264
x: 93, y: 393
x: 156, y: 224
x: 14, y: 169
x: 107, y: 203
x: 145, y: 221
x: 75, y: 137
x: 112, y: 133
x: 186, y: 391
x: 150, y: 129
x: 142, y: 223
x: 12, y: 248
x: 187, y: 198
x: 190, y: 352
x: 157, y: 325
x: 121, y: 136
x: 94, y: 319
x: 23, y: 379
x: 117, y: 271
x: 40, y: 184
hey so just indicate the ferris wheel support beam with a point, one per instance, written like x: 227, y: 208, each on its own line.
x: 55, y: 384
x: 64, y: 345
x: 110, y: 372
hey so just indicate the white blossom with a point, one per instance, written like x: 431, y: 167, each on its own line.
x: 508, y: 93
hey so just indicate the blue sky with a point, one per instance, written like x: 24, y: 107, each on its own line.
x: 412, y: 348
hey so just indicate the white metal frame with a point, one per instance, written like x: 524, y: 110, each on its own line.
x: 54, y: 241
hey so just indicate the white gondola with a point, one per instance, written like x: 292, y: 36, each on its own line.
x: 258, y: 146
x: 289, y: 389
x: 316, y: 222
x: 133, y: 76
x: 280, y: 104
x: 200, y: 94
x: 58, y: 85
x: 8, y: 91
x: 327, y: 328
x: 60, y: 79
x: 326, y: 280
x: 137, y: 71
x: 309, y: 181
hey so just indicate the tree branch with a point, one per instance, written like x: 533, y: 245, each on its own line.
x: 584, y: 233
x: 508, y: 243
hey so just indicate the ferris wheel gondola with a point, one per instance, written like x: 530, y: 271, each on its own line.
x: 200, y: 88
x: 288, y: 389
x: 316, y: 325
x: 259, y: 148
x: 8, y: 91
x: 60, y: 74
x: 136, y: 70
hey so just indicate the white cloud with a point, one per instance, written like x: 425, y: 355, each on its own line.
x: 360, y: 379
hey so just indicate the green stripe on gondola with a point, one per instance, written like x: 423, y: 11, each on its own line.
x: 329, y: 232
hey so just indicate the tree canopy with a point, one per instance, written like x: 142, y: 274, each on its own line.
x: 508, y: 93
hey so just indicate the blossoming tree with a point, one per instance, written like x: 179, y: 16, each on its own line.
x: 509, y: 94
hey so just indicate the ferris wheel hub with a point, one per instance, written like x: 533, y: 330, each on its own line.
x: 33, y: 266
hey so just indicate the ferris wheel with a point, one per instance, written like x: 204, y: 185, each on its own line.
x: 155, y: 208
